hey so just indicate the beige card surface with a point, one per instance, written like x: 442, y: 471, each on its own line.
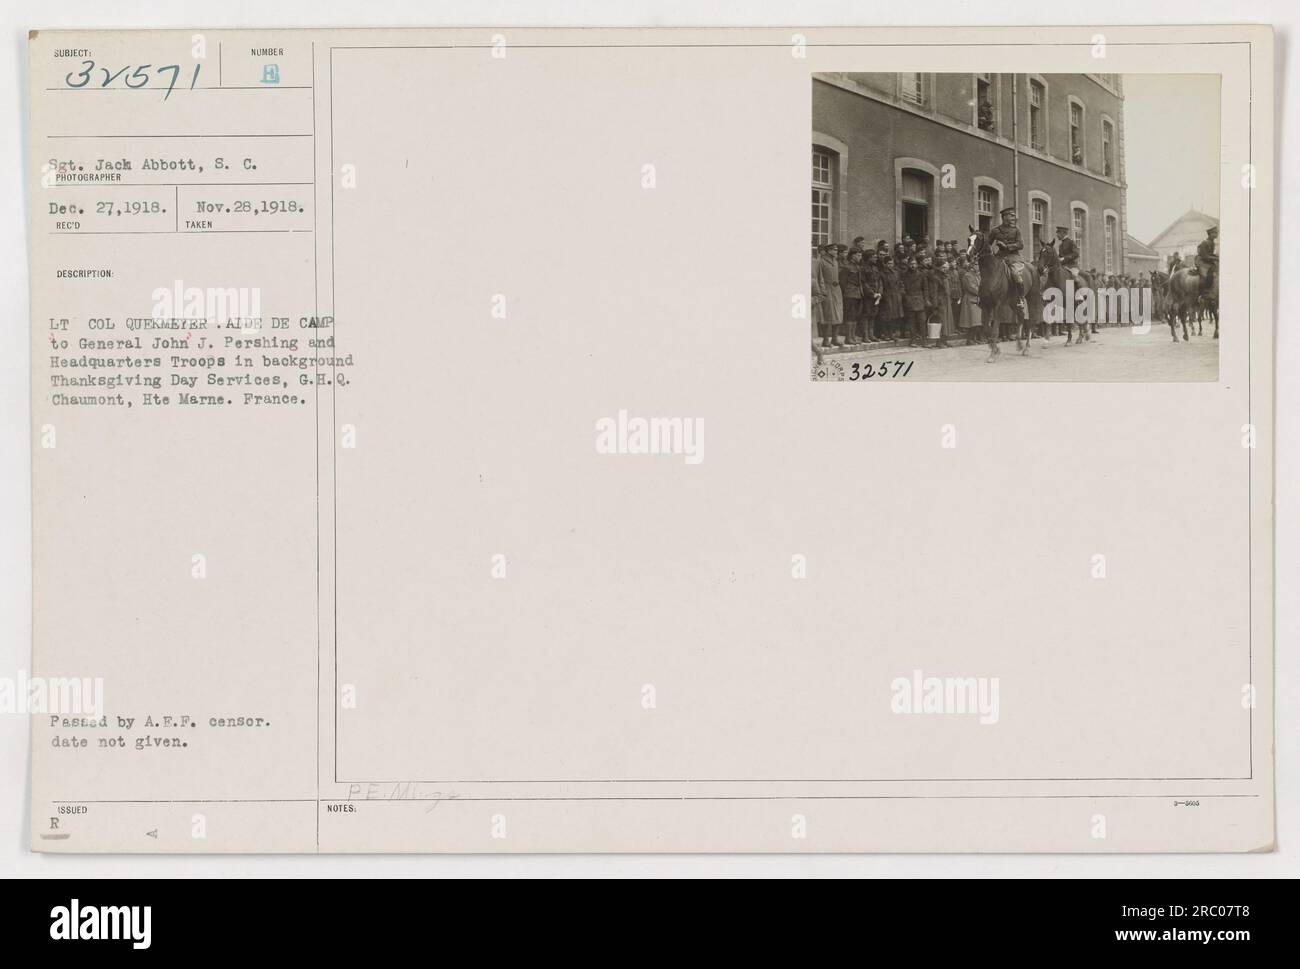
x: 440, y: 447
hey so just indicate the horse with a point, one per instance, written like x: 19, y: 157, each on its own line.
x: 1210, y: 301
x: 1187, y: 289
x: 1082, y: 284
x: 995, y: 289
x: 1052, y: 278
x: 1056, y: 278
x: 1196, y: 324
x: 1091, y: 292
x: 1159, y: 294
x: 1048, y: 278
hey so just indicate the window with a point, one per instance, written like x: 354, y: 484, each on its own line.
x: 1112, y: 231
x: 821, y: 167
x: 1107, y: 140
x: 1037, y: 120
x: 986, y: 203
x: 822, y: 192
x: 1081, y: 233
x: 911, y: 88
x: 1038, y: 222
x: 985, y: 115
x: 1076, y: 132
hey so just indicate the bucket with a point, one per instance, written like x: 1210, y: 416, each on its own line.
x: 934, y: 330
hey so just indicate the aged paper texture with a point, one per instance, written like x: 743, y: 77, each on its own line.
x: 426, y: 456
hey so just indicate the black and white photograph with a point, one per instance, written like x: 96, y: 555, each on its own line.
x: 1068, y: 220
x: 416, y: 476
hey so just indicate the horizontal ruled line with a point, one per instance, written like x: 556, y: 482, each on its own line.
x: 308, y: 135
x: 666, y: 797
x: 103, y: 185
x: 177, y: 232
x: 802, y: 780
x: 210, y: 87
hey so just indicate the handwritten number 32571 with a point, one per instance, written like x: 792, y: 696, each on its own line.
x: 137, y: 78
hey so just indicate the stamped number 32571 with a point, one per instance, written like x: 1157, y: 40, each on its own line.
x: 886, y: 368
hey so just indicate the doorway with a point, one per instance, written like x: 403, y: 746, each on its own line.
x: 916, y: 220
x: 916, y: 195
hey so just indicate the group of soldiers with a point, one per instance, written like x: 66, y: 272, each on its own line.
x: 865, y: 293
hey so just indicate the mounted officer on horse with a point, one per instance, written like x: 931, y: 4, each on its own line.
x: 1059, y: 264
x: 1007, y: 283
x: 1006, y: 242
x: 1189, y: 288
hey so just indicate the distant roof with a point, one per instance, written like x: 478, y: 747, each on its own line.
x: 1135, y: 247
x: 1191, y: 215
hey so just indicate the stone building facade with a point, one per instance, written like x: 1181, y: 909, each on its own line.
x: 930, y: 154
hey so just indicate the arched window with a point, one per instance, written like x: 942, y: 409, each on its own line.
x: 1037, y: 113
x: 988, y: 200
x: 1040, y: 219
x: 823, y: 194
x: 986, y: 102
x: 1078, y: 141
x: 1108, y: 147
x: 986, y: 204
x: 1111, y: 242
x: 830, y: 162
x: 1079, y: 225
